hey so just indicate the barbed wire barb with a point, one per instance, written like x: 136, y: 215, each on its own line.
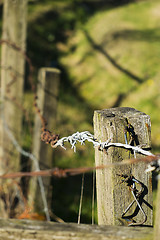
x: 81, y: 137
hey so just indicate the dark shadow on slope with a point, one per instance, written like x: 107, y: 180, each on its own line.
x: 57, y: 24
x: 86, y: 80
x: 114, y: 63
x: 121, y: 97
x: 51, y: 28
x: 89, y: 53
x: 148, y: 35
x: 68, y: 89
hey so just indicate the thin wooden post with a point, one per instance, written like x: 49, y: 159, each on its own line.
x: 157, y: 217
x: 47, y: 92
x: 113, y: 197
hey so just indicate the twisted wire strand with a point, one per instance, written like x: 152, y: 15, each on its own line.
x: 81, y: 137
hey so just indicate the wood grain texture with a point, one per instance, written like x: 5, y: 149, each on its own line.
x: 29, y: 230
x: 12, y: 80
x: 11, y: 84
x: 113, y: 197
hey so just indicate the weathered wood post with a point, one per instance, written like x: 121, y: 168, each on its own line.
x: 12, y: 79
x: 113, y: 197
x: 40, y: 230
x: 157, y: 217
x: 11, y: 83
x: 47, y: 93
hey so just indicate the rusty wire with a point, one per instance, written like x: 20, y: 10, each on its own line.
x: 63, y: 173
x: 33, y: 88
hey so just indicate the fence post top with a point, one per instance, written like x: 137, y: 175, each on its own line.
x: 50, y: 69
x: 120, y: 111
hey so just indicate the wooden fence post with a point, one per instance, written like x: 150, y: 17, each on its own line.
x: 12, y: 79
x: 11, y: 85
x: 157, y: 215
x: 113, y: 197
x: 47, y: 92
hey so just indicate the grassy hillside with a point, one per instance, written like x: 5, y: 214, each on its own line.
x: 110, y: 60
x: 113, y: 60
x: 108, y: 57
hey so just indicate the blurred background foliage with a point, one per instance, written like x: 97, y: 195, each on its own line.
x: 108, y: 54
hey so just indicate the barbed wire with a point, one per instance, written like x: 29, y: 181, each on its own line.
x: 81, y: 137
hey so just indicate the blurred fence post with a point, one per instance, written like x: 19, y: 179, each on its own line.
x: 113, y: 197
x: 11, y: 82
x: 12, y: 79
x: 47, y: 93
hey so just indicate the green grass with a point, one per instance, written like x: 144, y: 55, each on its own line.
x: 130, y: 35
